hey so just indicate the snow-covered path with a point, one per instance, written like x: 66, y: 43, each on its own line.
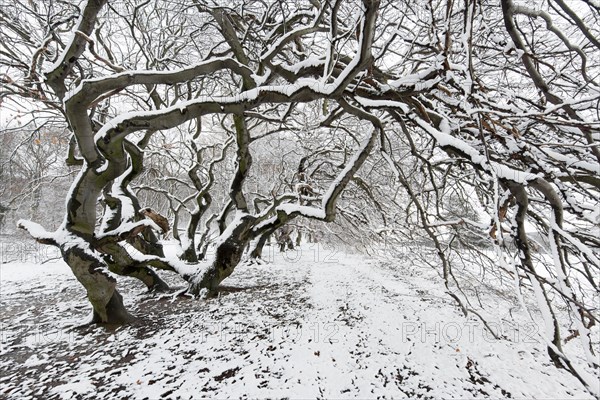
x: 310, y: 324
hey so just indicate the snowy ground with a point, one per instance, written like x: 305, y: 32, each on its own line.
x: 310, y: 324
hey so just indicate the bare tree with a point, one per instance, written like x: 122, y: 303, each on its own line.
x: 493, y: 104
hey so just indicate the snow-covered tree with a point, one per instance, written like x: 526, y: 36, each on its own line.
x: 492, y: 103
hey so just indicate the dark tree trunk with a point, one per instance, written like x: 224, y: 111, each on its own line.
x: 189, y: 252
x: 257, y: 251
x: 115, y: 310
x: 228, y: 255
x: 101, y: 290
x: 285, y: 238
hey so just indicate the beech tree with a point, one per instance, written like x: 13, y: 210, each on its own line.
x: 492, y: 104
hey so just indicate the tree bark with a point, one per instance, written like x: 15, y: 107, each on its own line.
x: 107, y: 302
x: 228, y: 255
x: 120, y: 262
x: 257, y: 251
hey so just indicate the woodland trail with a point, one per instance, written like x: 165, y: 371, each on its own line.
x: 311, y: 323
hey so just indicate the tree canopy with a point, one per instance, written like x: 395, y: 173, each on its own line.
x: 471, y: 125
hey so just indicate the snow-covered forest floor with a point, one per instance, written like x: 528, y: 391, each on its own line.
x: 309, y: 324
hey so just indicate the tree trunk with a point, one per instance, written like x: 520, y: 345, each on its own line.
x: 189, y: 253
x: 90, y: 271
x: 228, y: 255
x: 203, y: 242
x: 260, y: 244
x: 114, y: 310
x: 285, y: 238
x: 107, y: 302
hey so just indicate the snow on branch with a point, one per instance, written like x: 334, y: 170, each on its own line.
x: 127, y: 230
x: 89, y: 89
x: 447, y: 141
x: 38, y: 232
x: 327, y: 210
x: 75, y: 47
